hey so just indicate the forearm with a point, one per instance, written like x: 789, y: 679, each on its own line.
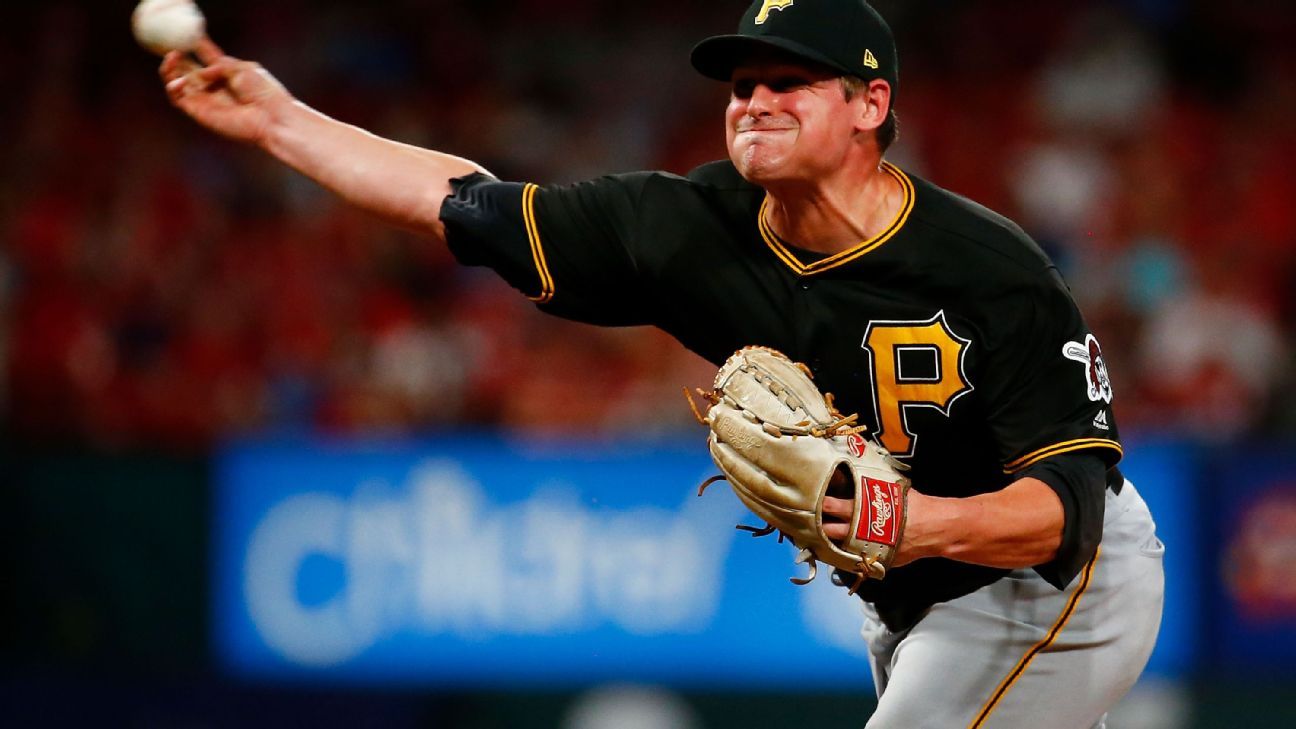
x: 399, y: 183
x: 1016, y: 527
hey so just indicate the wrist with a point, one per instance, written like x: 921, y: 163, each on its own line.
x: 301, y: 137
x: 933, y: 529
x: 284, y: 127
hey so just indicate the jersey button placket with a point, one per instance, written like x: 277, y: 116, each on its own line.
x: 805, y: 320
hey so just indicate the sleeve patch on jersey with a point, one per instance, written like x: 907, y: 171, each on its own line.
x: 537, y: 252
x: 1089, y: 354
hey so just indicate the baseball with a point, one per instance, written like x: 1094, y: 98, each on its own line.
x: 167, y: 25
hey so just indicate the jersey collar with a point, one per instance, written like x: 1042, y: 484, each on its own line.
x: 785, y: 254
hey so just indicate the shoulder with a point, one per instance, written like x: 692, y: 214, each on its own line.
x: 717, y: 179
x: 711, y: 191
x: 713, y: 180
x: 986, y: 262
x: 972, y: 231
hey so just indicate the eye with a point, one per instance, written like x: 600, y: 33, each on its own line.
x: 743, y: 88
x: 784, y: 84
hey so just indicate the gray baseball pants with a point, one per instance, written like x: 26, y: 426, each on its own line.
x: 1020, y: 654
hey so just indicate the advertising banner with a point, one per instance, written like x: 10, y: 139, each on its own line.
x: 1255, y: 525
x: 480, y: 562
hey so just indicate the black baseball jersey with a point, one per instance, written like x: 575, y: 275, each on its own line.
x: 950, y: 333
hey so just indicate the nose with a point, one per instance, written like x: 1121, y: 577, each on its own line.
x: 763, y: 101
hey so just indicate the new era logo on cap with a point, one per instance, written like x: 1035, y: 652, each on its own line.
x: 870, y: 60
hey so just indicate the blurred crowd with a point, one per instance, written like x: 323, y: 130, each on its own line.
x: 161, y: 286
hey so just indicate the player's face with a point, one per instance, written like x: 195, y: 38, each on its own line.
x: 786, y: 121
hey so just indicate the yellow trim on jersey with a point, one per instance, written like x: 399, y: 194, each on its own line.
x: 781, y: 250
x: 1035, y: 650
x: 537, y: 251
x: 1034, y: 457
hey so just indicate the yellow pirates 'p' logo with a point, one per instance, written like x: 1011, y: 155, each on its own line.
x: 769, y: 5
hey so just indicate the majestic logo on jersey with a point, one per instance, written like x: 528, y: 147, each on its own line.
x: 769, y: 5
x: 1100, y: 421
x: 884, y: 511
x: 896, y: 391
x: 1089, y: 354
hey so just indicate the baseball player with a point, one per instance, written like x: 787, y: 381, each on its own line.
x: 1027, y: 589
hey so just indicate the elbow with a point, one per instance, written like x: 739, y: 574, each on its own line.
x: 1047, y: 548
x: 1070, y: 538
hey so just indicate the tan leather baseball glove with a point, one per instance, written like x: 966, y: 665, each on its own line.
x: 779, y: 443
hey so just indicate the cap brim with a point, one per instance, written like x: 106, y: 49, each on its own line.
x: 716, y: 57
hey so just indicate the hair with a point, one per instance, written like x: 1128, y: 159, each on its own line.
x: 889, y: 132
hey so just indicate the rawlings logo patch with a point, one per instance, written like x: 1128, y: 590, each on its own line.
x: 883, y: 512
x: 857, y: 445
x: 1089, y: 354
x: 730, y: 433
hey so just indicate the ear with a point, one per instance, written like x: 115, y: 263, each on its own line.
x: 874, y: 104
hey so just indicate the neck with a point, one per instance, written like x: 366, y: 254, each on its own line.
x: 835, y: 214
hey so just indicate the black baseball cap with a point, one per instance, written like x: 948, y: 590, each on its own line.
x: 845, y: 35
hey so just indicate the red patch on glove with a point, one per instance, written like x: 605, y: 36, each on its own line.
x: 883, y: 512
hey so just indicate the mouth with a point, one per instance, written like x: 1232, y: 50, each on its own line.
x: 764, y: 130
